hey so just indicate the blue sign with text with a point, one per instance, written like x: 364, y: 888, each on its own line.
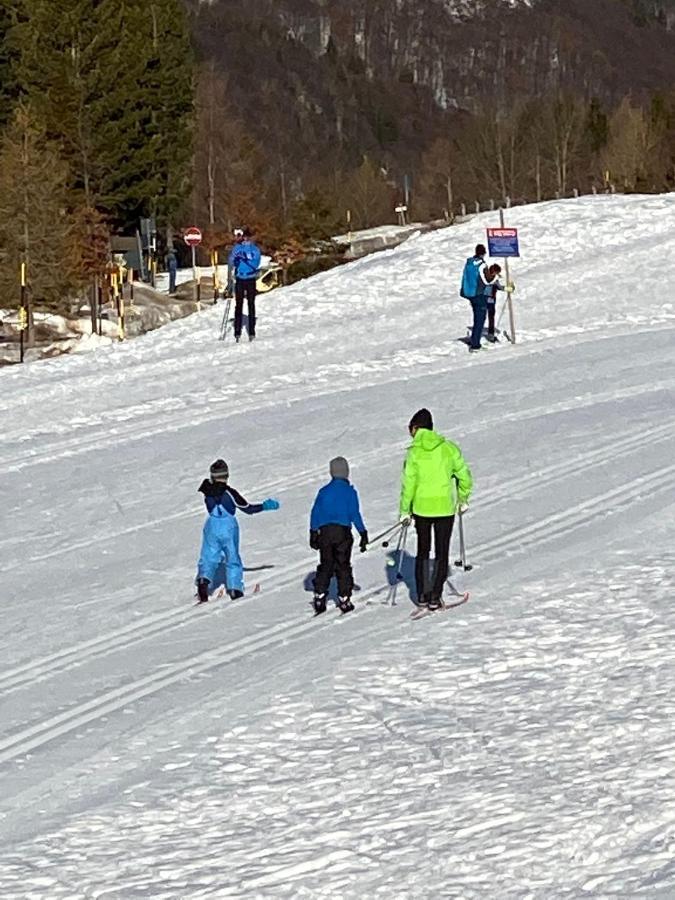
x: 503, y: 242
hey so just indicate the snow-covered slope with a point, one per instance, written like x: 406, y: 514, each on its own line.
x: 518, y: 746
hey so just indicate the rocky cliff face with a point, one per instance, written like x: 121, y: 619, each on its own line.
x: 386, y: 77
x: 464, y: 49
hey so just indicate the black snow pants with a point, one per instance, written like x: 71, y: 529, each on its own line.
x: 244, y: 288
x: 335, y: 558
x: 442, y: 529
x: 491, y: 318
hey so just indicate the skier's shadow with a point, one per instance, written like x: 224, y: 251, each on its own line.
x: 405, y: 575
x: 308, y: 584
x: 220, y: 577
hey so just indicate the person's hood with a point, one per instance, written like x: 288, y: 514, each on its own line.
x: 427, y: 440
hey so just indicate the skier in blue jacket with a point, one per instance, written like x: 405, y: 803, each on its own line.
x: 244, y: 260
x: 475, y: 282
x: 220, y: 535
x: 335, y: 510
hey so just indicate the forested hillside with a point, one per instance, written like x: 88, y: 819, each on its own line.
x: 468, y: 100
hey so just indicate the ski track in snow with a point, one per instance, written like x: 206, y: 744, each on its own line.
x: 150, y: 626
x: 518, y: 746
x: 397, y: 779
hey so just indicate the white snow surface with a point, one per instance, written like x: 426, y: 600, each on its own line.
x: 518, y: 746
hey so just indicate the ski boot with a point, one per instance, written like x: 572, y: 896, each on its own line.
x: 234, y: 594
x: 345, y: 604
x: 319, y: 603
x: 423, y: 601
x: 251, y: 338
x: 203, y: 589
x: 434, y: 603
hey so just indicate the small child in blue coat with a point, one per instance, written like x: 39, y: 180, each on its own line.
x: 335, y: 510
x: 220, y: 536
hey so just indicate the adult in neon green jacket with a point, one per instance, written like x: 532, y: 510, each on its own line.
x: 436, y: 482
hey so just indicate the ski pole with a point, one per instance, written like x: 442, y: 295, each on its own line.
x: 400, y: 550
x: 462, y: 548
x: 383, y: 534
x: 501, y: 315
x: 226, y: 317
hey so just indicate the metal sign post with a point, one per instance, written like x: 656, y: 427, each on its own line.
x: 503, y: 242
x: 193, y: 238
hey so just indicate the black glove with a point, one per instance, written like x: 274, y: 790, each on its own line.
x: 314, y: 540
x: 363, y: 546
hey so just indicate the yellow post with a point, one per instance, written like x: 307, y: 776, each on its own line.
x: 121, y: 305
x: 216, y: 282
x: 119, y: 302
x: 23, y: 313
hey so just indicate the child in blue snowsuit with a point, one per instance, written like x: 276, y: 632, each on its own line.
x: 220, y: 536
x: 335, y: 510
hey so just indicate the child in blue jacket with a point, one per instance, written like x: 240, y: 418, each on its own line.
x: 335, y: 510
x: 220, y: 536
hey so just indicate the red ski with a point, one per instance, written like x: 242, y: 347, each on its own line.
x: 423, y: 611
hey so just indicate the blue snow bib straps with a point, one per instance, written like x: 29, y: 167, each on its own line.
x: 219, y: 510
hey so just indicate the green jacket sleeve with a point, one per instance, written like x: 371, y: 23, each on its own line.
x: 408, y: 484
x: 462, y: 473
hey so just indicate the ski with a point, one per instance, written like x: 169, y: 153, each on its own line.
x: 220, y: 592
x: 423, y: 611
x: 331, y: 607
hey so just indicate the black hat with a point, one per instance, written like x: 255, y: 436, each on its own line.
x: 421, y: 419
x: 219, y: 470
x: 480, y: 250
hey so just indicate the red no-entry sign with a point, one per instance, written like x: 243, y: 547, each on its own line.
x: 192, y: 237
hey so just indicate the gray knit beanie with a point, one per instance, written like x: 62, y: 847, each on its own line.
x: 339, y: 468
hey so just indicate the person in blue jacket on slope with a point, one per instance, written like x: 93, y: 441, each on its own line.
x: 335, y: 510
x: 244, y: 260
x: 220, y: 535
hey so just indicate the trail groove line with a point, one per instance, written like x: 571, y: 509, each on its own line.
x: 162, y: 622
x: 123, y: 637
x: 27, y: 739
x: 78, y: 445
x: 638, y: 436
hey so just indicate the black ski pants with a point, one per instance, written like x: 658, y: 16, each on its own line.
x: 335, y: 558
x: 442, y: 531
x: 244, y: 288
x: 491, y: 317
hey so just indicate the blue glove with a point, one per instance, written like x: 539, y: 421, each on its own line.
x: 270, y: 504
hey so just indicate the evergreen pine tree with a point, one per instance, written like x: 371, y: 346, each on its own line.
x: 597, y: 126
x: 8, y: 85
x: 35, y: 226
x: 169, y: 90
x: 112, y: 80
